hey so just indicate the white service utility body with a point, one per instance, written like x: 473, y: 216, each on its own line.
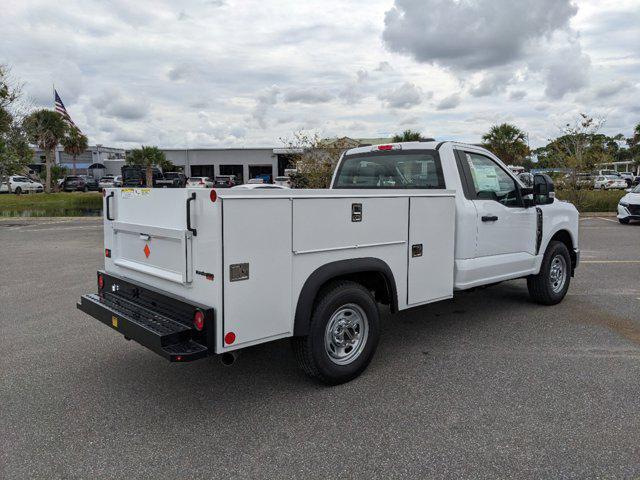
x: 191, y: 272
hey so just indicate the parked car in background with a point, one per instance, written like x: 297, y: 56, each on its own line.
x: 78, y: 183
x: 91, y: 183
x: 628, y: 177
x: 609, y: 182
x: 106, y: 182
x: 283, y: 181
x: 254, y: 181
x: 200, y: 182
x: 256, y: 186
x: 117, y: 181
x: 585, y: 180
x: 629, y: 206
x: 20, y: 184
x: 136, y: 176
x: 608, y: 172
x: 225, y: 181
x: 172, y: 180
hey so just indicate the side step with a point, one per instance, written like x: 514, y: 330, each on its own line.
x: 167, y: 337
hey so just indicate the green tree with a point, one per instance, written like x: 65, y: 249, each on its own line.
x: 408, y: 136
x: 75, y: 143
x: 147, y: 157
x: 46, y: 129
x: 314, y: 158
x: 15, y: 153
x: 508, y: 143
x: 633, y: 144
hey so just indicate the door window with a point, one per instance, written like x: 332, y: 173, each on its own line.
x: 491, y: 182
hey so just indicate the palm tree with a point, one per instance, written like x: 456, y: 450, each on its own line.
x: 508, y: 143
x: 407, y: 136
x: 74, y: 144
x: 46, y: 129
x: 147, y: 157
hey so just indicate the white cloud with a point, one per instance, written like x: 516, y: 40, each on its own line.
x: 406, y: 95
x: 246, y: 74
x: 449, y: 102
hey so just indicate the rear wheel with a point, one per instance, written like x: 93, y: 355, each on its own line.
x: 17, y: 190
x: 550, y: 285
x: 624, y: 221
x: 343, y: 334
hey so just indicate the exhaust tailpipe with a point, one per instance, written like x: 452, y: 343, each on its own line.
x: 228, y: 358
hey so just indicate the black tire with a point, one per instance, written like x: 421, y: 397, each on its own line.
x: 542, y: 287
x: 85, y: 189
x: 624, y: 221
x: 17, y: 191
x: 312, y: 350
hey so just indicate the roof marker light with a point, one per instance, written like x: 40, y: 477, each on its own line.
x: 387, y: 147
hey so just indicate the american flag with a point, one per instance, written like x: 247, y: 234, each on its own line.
x: 63, y: 111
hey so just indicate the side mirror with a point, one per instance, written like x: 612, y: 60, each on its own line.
x: 543, y: 189
x: 527, y: 196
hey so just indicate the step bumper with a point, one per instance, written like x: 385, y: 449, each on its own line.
x: 172, y: 338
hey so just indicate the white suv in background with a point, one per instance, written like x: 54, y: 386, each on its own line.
x: 19, y: 184
x: 629, y: 206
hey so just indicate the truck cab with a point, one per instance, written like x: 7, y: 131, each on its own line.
x: 196, y: 272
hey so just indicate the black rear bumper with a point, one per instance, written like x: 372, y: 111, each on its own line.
x: 161, y: 323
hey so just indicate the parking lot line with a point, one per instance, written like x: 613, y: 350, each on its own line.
x: 610, y: 261
x: 607, y: 219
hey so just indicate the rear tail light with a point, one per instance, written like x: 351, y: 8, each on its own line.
x: 100, y: 281
x: 213, y: 195
x: 198, y: 320
x: 104, y: 192
x: 107, y: 253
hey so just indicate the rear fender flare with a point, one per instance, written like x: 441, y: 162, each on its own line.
x: 335, y: 270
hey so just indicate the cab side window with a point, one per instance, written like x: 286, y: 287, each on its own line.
x: 491, y: 182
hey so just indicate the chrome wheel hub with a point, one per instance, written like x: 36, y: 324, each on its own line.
x: 558, y: 273
x: 346, y: 334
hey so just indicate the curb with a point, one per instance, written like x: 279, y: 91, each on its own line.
x: 598, y: 214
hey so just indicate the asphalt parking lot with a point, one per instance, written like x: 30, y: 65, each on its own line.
x: 485, y: 385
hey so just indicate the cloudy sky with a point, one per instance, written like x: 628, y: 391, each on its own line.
x: 241, y: 73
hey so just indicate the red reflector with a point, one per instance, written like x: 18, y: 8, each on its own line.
x: 100, y: 281
x: 229, y: 338
x: 178, y: 358
x: 107, y: 253
x: 385, y: 147
x: 198, y: 320
x: 213, y: 195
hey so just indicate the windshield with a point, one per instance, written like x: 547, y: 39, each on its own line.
x: 411, y: 170
x: 636, y: 189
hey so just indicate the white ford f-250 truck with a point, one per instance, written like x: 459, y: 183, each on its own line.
x: 195, y: 272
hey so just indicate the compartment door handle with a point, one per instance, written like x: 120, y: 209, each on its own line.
x: 189, y: 200
x: 111, y: 195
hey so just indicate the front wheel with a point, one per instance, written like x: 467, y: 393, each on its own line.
x: 343, y: 334
x: 550, y: 285
x: 17, y: 190
x: 624, y: 221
